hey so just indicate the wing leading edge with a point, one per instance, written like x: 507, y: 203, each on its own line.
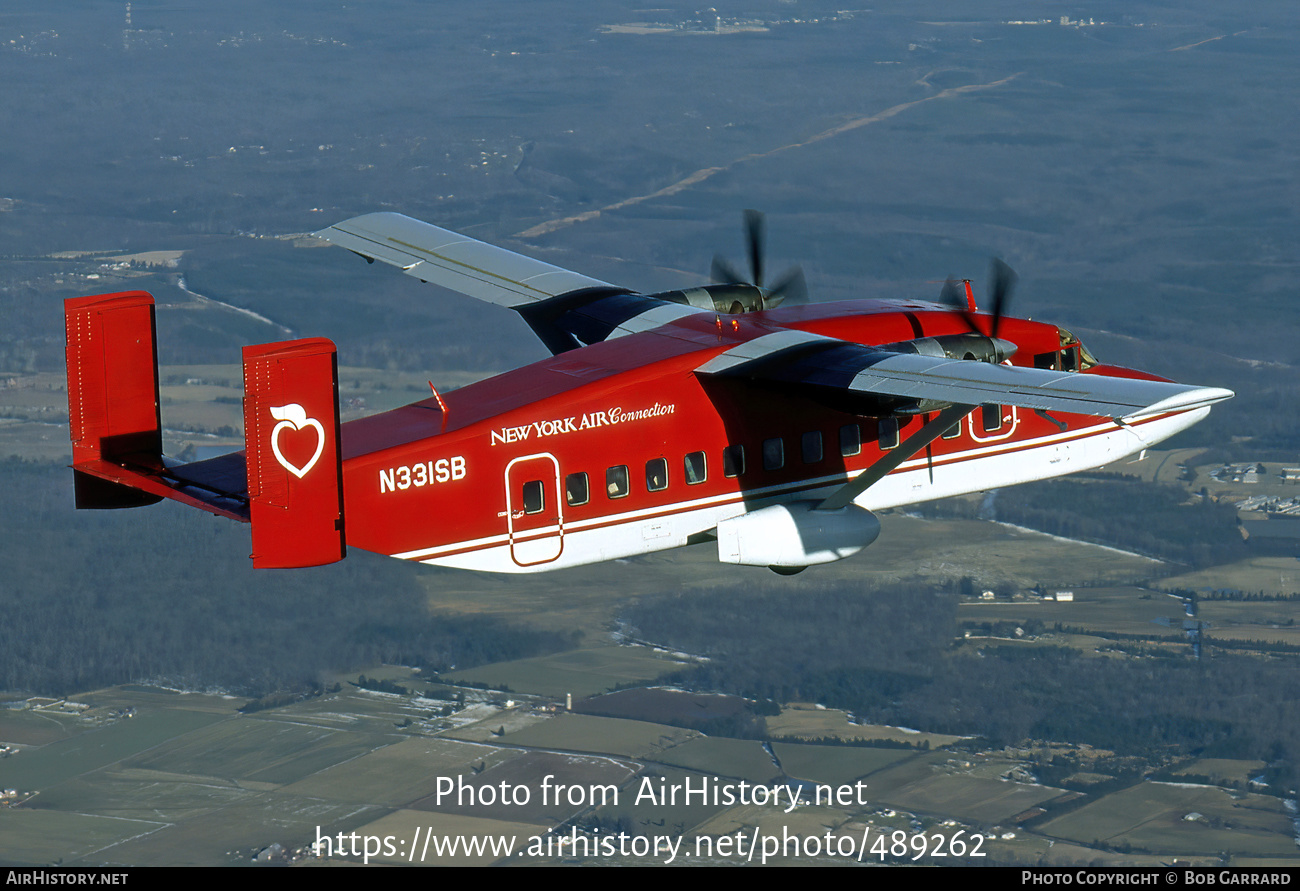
x: 903, y: 381
x: 455, y: 261
x: 568, y: 310
x: 565, y: 309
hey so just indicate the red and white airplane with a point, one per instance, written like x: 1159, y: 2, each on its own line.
x: 661, y: 420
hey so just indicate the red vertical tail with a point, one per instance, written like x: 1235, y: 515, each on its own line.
x: 291, y: 440
x: 112, y: 393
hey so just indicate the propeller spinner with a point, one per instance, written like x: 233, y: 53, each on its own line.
x: 732, y: 293
x: 790, y: 287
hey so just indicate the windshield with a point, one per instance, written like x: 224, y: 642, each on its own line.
x: 1070, y: 342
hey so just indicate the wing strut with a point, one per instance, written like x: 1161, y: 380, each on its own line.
x: 928, y: 433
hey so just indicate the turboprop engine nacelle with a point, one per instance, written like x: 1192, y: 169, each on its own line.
x: 796, y: 534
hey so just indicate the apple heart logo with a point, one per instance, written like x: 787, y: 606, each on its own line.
x: 295, y: 417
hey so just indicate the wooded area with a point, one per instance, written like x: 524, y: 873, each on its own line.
x: 167, y: 594
x: 886, y: 655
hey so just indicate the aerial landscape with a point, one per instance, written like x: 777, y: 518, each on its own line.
x: 1096, y: 670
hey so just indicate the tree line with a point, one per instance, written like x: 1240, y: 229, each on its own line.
x: 886, y: 655
x: 1122, y: 512
x: 93, y: 598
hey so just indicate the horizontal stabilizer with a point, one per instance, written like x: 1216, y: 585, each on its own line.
x: 178, y: 482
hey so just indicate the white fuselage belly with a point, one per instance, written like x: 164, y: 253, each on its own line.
x: 998, y: 463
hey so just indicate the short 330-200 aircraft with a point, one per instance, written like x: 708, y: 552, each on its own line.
x: 661, y: 420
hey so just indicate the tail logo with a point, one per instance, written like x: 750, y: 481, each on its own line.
x: 294, y: 417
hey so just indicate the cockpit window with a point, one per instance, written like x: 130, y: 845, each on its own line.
x: 1069, y: 343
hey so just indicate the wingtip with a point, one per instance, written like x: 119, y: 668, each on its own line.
x: 1188, y: 400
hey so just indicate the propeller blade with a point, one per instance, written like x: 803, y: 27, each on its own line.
x: 952, y: 295
x: 725, y: 274
x: 755, y: 239
x: 1002, y: 281
x: 791, y: 288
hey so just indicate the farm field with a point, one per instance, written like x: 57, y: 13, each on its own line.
x: 938, y: 783
x: 196, y: 787
x: 1272, y: 575
x: 834, y: 765
x: 582, y: 672
x: 585, y: 733
x: 1182, y: 818
x: 741, y: 758
x: 802, y: 721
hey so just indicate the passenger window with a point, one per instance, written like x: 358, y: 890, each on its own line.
x: 534, y: 497
x: 576, y: 490
x: 656, y: 474
x: 733, y: 460
x: 953, y: 432
x: 616, y: 481
x: 992, y: 416
x: 773, y: 454
x: 810, y: 444
x: 850, y: 440
x: 888, y: 433
x: 696, y: 470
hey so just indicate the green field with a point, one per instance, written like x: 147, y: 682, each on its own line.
x: 259, y: 750
x: 99, y: 747
x: 37, y: 727
x: 1181, y: 818
x: 140, y: 696
x: 234, y: 834
x: 1226, y: 770
x: 950, y: 549
x: 583, y: 673
x: 131, y: 793
x: 742, y: 758
x: 809, y: 722
x: 586, y: 733
x: 941, y: 784
x: 834, y: 765
x: 1272, y: 575
x: 398, y: 774
x: 40, y: 837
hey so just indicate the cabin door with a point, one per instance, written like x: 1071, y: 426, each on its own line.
x: 534, y: 515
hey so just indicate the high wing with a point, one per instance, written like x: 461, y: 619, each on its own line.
x: 569, y: 310
x: 566, y: 309
x: 455, y: 261
x: 889, y: 382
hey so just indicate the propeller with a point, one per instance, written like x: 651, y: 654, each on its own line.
x: 1002, y: 282
x: 790, y: 287
x: 954, y: 295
